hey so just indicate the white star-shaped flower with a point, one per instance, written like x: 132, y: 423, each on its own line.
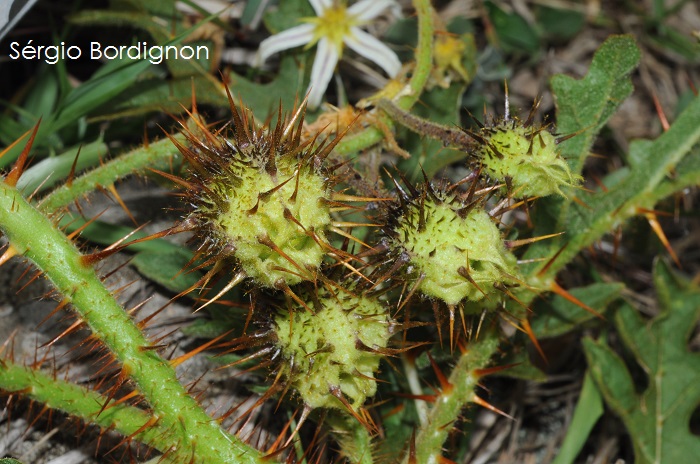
x: 334, y: 26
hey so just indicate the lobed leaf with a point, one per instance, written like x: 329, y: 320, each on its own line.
x: 588, y: 103
x: 655, y: 161
x: 658, y: 419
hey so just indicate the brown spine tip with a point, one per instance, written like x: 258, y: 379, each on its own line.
x: 18, y: 168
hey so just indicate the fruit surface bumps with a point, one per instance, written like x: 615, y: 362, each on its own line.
x: 455, y: 254
x: 334, y: 347
x: 525, y: 156
x: 282, y: 209
x: 258, y: 199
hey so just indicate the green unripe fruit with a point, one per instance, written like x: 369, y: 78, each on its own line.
x: 525, y: 156
x: 264, y: 211
x: 334, y: 349
x: 259, y: 199
x: 455, y: 252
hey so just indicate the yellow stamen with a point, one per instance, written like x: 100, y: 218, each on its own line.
x: 334, y: 24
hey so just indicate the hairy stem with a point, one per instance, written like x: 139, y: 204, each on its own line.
x: 449, y: 136
x: 424, y: 54
x: 33, y: 235
x: 83, y: 403
x: 157, y: 155
x: 448, y: 406
x: 354, y: 439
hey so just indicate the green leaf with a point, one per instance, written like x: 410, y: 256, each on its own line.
x: 514, y: 33
x: 560, y: 316
x: 658, y: 418
x: 45, y: 92
x: 253, y: 9
x: 687, y: 175
x: 264, y: 99
x: 587, y: 104
x: 136, y: 19
x: 559, y: 24
x: 588, y: 410
x: 676, y: 42
x: 167, y: 269
x: 287, y: 15
x: 48, y: 172
x: 156, y: 94
x: 654, y: 161
x: 114, y: 79
x: 221, y: 319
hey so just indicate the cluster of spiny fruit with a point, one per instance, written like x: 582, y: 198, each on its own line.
x: 265, y: 206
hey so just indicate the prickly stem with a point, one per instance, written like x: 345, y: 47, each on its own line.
x: 83, y: 403
x: 33, y: 235
x: 449, y: 136
x: 157, y: 155
x: 448, y: 407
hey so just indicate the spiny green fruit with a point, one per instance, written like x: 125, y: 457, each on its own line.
x: 334, y: 352
x: 259, y: 198
x: 525, y: 156
x: 453, y: 251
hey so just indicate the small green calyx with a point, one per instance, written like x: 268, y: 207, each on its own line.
x: 334, y: 348
x: 527, y: 156
x: 456, y: 254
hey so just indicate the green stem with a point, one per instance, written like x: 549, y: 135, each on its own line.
x: 424, y: 54
x: 83, y: 403
x: 363, y: 446
x: 362, y: 140
x: 421, y: 73
x: 448, y: 407
x: 49, y: 171
x: 157, y: 155
x: 33, y: 235
x: 354, y: 439
x: 449, y: 136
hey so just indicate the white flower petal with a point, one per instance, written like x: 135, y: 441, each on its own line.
x: 322, y: 71
x: 290, y: 38
x: 366, y: 10
x: 366, y: 45
x: 321, y: 5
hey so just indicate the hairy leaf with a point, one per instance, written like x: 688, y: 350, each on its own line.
x: 604, y: 210
x: 587, y: 104
x: 658, y: 418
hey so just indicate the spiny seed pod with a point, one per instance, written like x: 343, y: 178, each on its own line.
x: 333, y: 353
x: 525, y: 156
x: 453, y: 250
x: 259, y: 198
